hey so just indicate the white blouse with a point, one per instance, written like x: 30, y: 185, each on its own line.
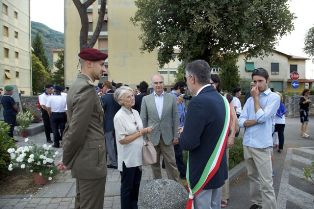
x: 128, y: 122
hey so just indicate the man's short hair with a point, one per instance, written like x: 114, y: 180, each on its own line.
x: 107, y: 84
x: 143, y: 86
x: 305, y: 91
x: 236, y: 90
x: 179, y: 85
x: 200, y: 69
x: 260, y: 72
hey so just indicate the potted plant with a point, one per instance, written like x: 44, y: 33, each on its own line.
x: 24, y: 119
x: 39, y: 160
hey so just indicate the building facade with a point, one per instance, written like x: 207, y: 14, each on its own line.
x: 279, y: 66
x: 15, y: 45
x: 119, y: 37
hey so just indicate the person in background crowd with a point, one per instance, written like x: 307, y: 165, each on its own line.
x: 129, y: 136
x: 177, y: 91
x: 159, y: 110
x: 106, y: 88
x: 110, y: 107
x: 257, y: 119
x: 280, y: 121
x: 304, y: 104
x: 10, y: 108
x: 44, y: 111
x: 248, y: 94
x: 143, y: 87
x: 206, y: 128
x: 84, y: 149
x: 1, y: 90
x: 236, y: 101
x: 56, y: 106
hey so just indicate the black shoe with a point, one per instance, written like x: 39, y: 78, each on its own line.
x: 254, y: 206
x: 56, y: 146
x: 112, y: 166
x: 279, y: 151
x: 49, y: 141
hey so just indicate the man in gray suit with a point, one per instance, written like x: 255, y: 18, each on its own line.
x: 84, y: 147
x: 159, y: 110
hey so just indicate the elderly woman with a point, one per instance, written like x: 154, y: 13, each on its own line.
x: 129, y: 136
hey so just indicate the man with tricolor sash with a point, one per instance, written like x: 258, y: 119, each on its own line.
x: 205, y: 136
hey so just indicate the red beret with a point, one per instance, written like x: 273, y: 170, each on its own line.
x: 92, y: 54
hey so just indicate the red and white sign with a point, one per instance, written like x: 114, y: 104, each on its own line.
x: 294, y: 75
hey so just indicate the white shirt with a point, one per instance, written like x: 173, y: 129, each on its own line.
x: 127, y: 123
x: 159, y: 100
x: 57, y: 103
x: 43, y: 98
x: 237, y: 104
x: 65, y: 95
x: 202, y: 89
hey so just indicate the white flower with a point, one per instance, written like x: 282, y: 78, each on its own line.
x: 50, y: 178
x: 10, y: 168
x: 26, y: 149
x: 23, y: 166
x: 31, y: 171
x: 41, y: 156
x: 11, y: 150
x: 51, y: 172
x: 46, y: 153
x: 38, y: 163
x: 40, y: 174
x: 56, y: 152
x: 30, y: 160
x: 31, y: 156
x: 12, y: 156
x: 44, y: 162
x: 26, y: 139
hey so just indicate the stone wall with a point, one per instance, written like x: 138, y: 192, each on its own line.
x: 292, y: 105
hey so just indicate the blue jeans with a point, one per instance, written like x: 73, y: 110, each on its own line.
x: 208, y: 199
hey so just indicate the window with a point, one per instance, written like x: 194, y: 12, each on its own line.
x: 4, y: 9
x: 5, y: 31
x: 90, y: 26
x: 277, y: 85
x: 17, y: 74
x: 16, y: 15
x: 16, y: 34
x: 249, y: 66
x: 275, y: 68
x: 163, y: 72
x: 173, y: 72
x: 7, y: 74
x: 6, y: 53
x: 293, y: 68
x: 16, y: 55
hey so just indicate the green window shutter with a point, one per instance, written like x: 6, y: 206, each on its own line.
x: 249, y: 66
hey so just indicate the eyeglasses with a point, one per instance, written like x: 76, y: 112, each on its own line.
x: 186, y: 77
x: 158, y: 82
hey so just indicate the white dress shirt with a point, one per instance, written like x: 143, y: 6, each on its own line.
x: 57, y: 103
x: 237, y: 104
x: 159, y: 100
x: 43, y: 98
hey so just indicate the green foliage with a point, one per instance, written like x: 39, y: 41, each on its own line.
x: 58, y: 76
x: 5, y: 143
x: 207, y: 29
x: 229, y: 74
x: 236, y: 153
x: 309, y: 42
x: 24, y: 119
x: 308, y: 171
x: 181, y: 73
x: 34, y: 158
x: 51, y: 39
x: 40, y: 76
x: 39, y: 51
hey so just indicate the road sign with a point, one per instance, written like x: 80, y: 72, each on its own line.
x: 294, y: 75
x: 295, y: 84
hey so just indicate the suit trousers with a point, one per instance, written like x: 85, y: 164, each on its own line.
x: 47, y: 124
x: 58, y: 120
x: 280, y: 128
x: 179, y: 161
x: 259, y: 168
x: 168, y: 154
x: 110, y: 148
x: 208, y: 199
x: 90, y: 193
x: 130, y: 186
x: 225, y: 187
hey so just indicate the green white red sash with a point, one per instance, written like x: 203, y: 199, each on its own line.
x: 213, y: 162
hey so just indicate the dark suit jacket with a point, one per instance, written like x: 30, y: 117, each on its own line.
x: 84, y: 149
x: 138, y: 102
x: 110, y: 107
x: 203, y: 125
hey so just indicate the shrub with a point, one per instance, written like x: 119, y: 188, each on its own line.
x: 5, y: 143
x: 236, y: 153
x: 308, y: 171
x: 24, y: 119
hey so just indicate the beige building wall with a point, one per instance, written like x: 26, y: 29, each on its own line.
x: 126, y: 63
x: 15, y: 45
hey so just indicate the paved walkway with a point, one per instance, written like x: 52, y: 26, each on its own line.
x: 60, y: 193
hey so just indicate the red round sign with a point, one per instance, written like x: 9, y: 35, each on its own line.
x: 294, y: 75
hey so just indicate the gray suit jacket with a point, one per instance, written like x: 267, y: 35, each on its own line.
x: 167, y: 125
x: 83, y: 140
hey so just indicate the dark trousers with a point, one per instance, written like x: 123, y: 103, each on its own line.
x: 280, y: 128
x: 58, y: 120
x: 11, y: 120
x: 130, y: 185
x: 90, y: 193
x: 179, y: 161
x: 47, y: 125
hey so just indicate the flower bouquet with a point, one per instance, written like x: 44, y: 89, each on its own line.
x: 24, y: 119
x: 35, y: 159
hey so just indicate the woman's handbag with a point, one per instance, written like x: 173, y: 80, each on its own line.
x: 149, y: 153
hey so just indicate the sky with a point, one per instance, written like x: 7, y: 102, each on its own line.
x: 51, y: 13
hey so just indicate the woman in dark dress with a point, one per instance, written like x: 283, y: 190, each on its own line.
x: 304, y: 112
x: 10, y: 108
